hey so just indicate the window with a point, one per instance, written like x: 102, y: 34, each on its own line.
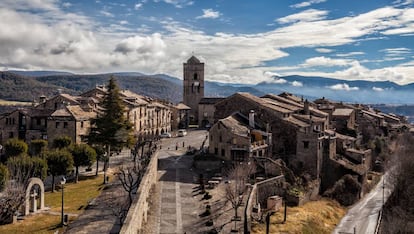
x: 221, y: 139
x: 195, y: 76
x: 57, y: 124
x: 223, y: 153
x: 14, y: 121
x: 65, y: 124
x: 306, y: 144
x: 81, y: 124
x: 38, y: 121
x: 215, y: 151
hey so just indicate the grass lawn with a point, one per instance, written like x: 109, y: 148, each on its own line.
x: 314, y: 217
x: 76, y: 199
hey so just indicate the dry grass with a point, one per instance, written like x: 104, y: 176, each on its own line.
x: 76, y: 199
x: 77, y: 195
x: 313, y: 217
x: 14, y: 103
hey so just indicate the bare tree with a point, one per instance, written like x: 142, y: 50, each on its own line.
x: 14, y: 194
x: 398, y: 216
x: 117, y: 203
x: 235, y: 190
x: 130, y: 177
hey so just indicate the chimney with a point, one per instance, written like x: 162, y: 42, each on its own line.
x: 42, y: 99
x: 251, y: 118
x: 306, y: 107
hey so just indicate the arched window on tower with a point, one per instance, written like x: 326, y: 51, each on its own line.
x: 195, y: 76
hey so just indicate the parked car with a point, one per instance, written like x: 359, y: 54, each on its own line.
x: 182, y: 132
x: 165, y: 135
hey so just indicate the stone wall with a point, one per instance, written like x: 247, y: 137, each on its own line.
x: 137, y: 214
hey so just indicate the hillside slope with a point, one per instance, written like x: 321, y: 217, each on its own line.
x: 20, y: 88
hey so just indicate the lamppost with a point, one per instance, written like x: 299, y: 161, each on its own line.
x: 62, y: 183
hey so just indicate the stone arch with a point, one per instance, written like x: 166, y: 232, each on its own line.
x: 34, y: 181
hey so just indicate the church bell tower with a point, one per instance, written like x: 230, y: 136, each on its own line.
x: 193, y: 86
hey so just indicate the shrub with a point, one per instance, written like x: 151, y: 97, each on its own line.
x: 4, y: 176
x: 15, y: 147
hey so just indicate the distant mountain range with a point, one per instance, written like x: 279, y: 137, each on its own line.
x: 170, y: 88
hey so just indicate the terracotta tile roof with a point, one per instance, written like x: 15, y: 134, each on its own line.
x: 281, y: 104
x: 234, y: 125
x: 79, y: 114
x: 343, y: 112
x: 296, y: 122
x: 283, y: 100
x: 210, y: 100
x: 308, y: 118
x: 62, y: 112
x: 250, y: 97
x: 182, y: 106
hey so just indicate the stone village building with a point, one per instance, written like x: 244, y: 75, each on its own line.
x: 238, y: 138
x: 69, y: 115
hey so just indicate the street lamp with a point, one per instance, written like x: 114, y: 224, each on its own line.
x: 62, y: 183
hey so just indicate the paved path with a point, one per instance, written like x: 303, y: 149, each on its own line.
x: 179, y: 209
x: 363, y: 216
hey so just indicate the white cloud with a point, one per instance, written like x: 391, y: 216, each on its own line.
x: 324, y: 50
x: 306, y: 4
x: 343, y: 86
x: 325, y: 62
x: 349, y: 54
x: 138, y: 6
x: 304, y: 16
x: 209, y: 14
x: 297, y: 83
x: 123, y: 22
x: 66, y: 4
x: 106, y: 13
x: 178, y: 3
x: 377, y: 89
x: 67, y: 41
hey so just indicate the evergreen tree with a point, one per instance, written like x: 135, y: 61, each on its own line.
x: 111, y: 128
x: 83, y: 155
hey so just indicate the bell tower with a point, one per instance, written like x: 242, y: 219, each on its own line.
x: 193, y: 86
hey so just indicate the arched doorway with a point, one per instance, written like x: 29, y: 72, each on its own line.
x: 32, y: 194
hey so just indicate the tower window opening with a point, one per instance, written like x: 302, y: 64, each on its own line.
x: 195, y: 76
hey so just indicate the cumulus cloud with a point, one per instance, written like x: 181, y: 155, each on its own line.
x: 344, y: 87
x: 62, y: 40
x: 145, y: 46
x: 377, y: 89
x: 324, y: 50
x: 209, y: 14
x: 274, y: 78
x: 297, y: 83
x: 349, y: 54
x: 325, y: 62
x: 304, y: 16
x: 138, y: 6
x: 306, y: 4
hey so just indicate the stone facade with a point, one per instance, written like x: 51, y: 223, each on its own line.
x: 66, y: 115
x: 206, y: 109
x: 193, y: 87
x: 297, y: 128
x: 237, y: 138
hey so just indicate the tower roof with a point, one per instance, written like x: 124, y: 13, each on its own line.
x: 193, y: 60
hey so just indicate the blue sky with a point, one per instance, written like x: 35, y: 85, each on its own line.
x: 240, y: 41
